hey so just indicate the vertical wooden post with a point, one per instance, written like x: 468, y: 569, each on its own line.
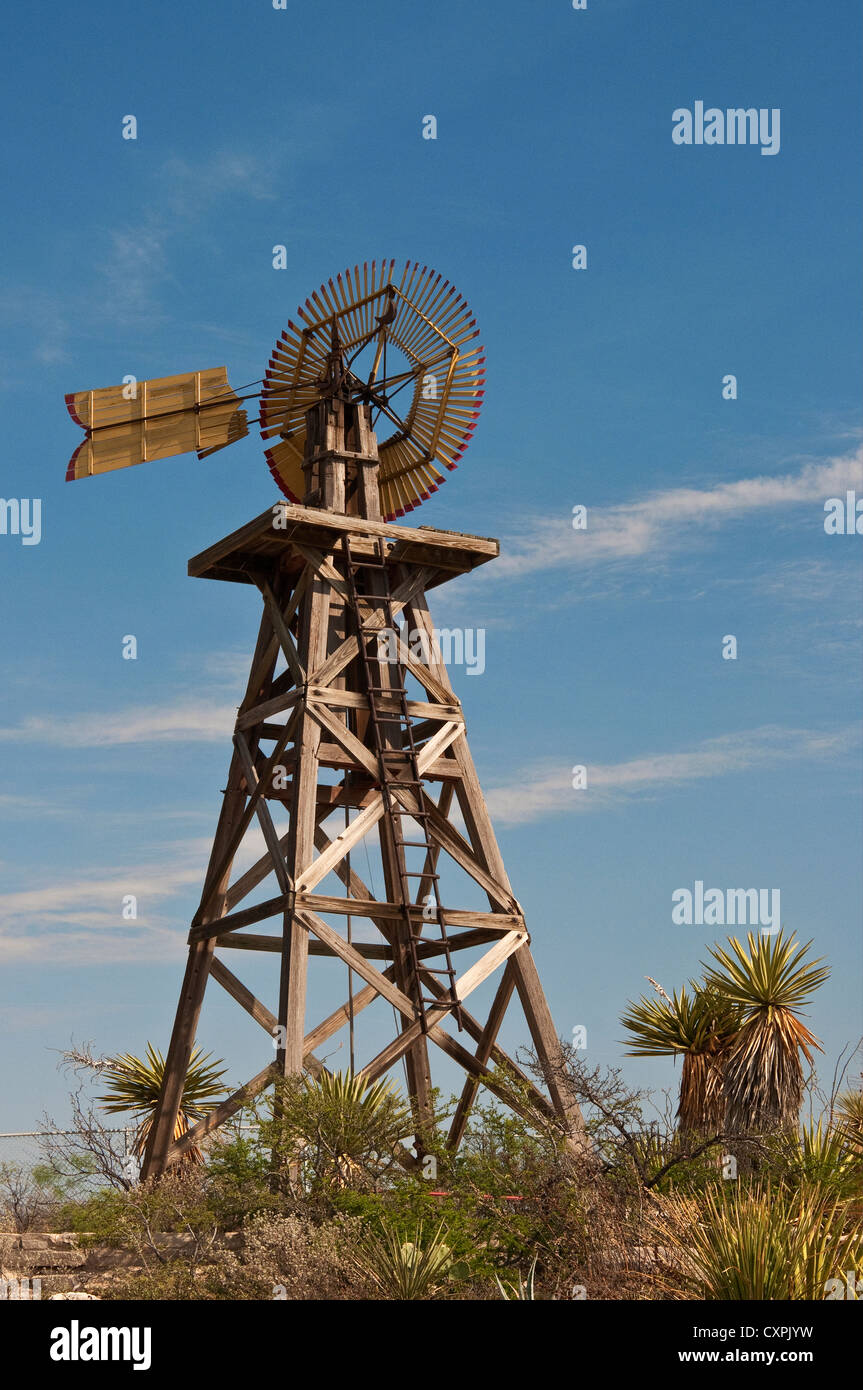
x: 301, y: 836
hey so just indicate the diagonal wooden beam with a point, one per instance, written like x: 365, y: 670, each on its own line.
x: 223, y: 1112
x: 457, y: 847
x: 391, y: 1054
x: 345, y: 840
x: 274, y: 704
x: 439, y: 742
x: 263, y: 814
x: 349, y: 877
x: 465, y: 984
x: 286, y: 641
x: 223, y: 926
x: 336, y: 1020
x: 345, y: 653
x: 324, y: 567
x: 343, y: 736
x: 482, y: 1054
x: 433, y: 687
x: 254, y: 790
x: 324, y: 932
x: 474, y: 1029
x: 243, y: 996
x: 263, y: 866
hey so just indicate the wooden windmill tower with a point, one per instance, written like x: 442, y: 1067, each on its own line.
x: 349, y: 729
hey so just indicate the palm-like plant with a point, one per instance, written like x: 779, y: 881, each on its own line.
x: 135, y: 1083
x: 767, y: 980
x: 347, y: 1129
x: 697, y: 1025
x: 407, y: 1269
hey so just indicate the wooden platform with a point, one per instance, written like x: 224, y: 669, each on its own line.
x: 265, y: 545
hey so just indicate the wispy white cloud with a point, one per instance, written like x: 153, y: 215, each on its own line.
x: 546, y: 789
x: 73, y: 807
x: 137, y: 259
x: 133, y: 261
x: 185, y: 721
x: 669, y: 520
x: 189, y: 188
x: 47, y: 322
x: 78, y: 919
x: 229, y: 668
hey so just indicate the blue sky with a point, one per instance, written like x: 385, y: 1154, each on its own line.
x: 259, y: 127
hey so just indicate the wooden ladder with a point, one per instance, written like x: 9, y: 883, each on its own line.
x: 398, y: 768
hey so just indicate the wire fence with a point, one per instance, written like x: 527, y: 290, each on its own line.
x: 41, y: 1168
x: 29, y: 1148
x: 32, y: 1155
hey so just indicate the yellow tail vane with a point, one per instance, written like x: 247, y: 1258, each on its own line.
x: 154, y: 419
x: 399, y: 341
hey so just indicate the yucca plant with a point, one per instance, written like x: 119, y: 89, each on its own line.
x: 761, y: 1243
x: 525, y: 1290
x: 135, y: 1083
x: 767, y: 980
x: 406, y: 1269
x: 849, y: 1117
x: 822, y: 1156
x: 347, y: 1129
x: 697, y: 1025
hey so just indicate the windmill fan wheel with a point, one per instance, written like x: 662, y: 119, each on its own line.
x: 405, y: 344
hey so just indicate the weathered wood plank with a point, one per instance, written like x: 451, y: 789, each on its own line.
x: 243, y: 996
x: 482, y: 1054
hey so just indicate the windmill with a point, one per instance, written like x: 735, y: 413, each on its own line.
x: 349, y: 729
